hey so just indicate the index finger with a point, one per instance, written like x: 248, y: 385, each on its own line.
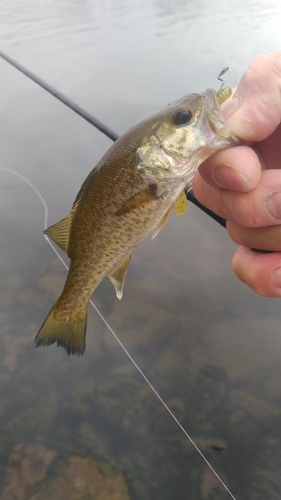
x: 254, y: 111
x: 238, y: 169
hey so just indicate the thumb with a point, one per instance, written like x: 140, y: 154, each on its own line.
x: 254, y: 111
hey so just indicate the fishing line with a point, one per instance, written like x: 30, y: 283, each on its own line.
x: 46, y: 146
x: 94, y: 121
x: 115, y: 335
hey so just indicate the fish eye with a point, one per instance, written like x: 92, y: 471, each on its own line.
x: 182, y: 116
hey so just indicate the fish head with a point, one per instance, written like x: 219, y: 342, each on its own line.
x: 181, y: 137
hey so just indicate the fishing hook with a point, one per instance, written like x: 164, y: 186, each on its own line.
x: 222, y: 72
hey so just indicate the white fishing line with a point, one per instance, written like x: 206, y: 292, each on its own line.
x: 116, y: 337
x: 44, y: 146
x: 234, y: 75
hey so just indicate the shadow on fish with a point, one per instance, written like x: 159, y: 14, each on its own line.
x: 127, y: 196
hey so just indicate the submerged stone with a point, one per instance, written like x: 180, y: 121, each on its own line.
x: 36, y: 473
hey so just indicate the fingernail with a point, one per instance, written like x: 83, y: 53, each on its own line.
x: 229, y: 178
x: 275, y: 277
x: 231, y: 106
x: 273, y: 205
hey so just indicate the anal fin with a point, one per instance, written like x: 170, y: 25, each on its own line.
x: 118, y: 275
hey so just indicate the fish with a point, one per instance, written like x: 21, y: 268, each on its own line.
x: 127, y: 196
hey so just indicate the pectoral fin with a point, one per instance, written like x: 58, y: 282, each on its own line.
x: 139, y: 199
x: 180, y: 204
x: 117, y: 277
x: 60, y: 232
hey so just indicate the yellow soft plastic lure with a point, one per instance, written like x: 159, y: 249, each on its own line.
x: 180, y: 204
x: 224, y: 94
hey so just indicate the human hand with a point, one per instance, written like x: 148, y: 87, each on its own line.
x: 243, y: 184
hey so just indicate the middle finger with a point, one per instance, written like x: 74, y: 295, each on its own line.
x: 257, y: 208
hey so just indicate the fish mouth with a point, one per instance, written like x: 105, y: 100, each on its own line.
x: 214, y: 124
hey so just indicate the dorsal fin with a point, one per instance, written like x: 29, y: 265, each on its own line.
x: 87, y: 182
x: 60, y: 232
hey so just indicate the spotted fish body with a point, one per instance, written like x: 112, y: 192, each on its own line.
x: 127, y: 196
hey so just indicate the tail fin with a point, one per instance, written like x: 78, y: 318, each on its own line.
x: 66, y: 329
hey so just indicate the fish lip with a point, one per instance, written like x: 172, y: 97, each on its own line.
x: 214, y: 124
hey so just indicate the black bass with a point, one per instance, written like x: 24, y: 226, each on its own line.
x: 127, y: 196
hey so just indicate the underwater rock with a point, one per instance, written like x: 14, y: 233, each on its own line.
x: 80, y: 478
x: 241, y: 346
x: 27, y: 466
x: 140, y: 320
x: 210, y: 485
x: 254, y: 406
x: 32, y: 475
x: 13, y: 349
x: 93, y: 441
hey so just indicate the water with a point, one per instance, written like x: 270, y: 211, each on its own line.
x: 209, y: 345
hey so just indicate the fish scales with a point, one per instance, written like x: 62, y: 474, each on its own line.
x: 126, y: 197
x: 120, y: 174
